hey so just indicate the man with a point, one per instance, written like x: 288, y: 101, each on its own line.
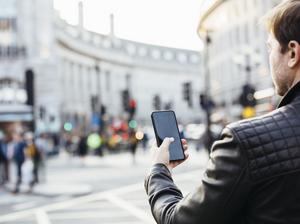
x: 19, y: 157
x: 4, y: 161
x: 253, y: 175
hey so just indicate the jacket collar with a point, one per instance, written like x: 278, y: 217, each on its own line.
x: 291, y: 94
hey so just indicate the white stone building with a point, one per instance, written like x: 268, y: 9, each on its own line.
x: 71, y: 65
x: 237, y: 52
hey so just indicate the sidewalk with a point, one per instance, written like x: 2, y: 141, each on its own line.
x: 71, y: 176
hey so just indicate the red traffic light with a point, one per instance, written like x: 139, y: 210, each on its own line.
x: 132, y: 103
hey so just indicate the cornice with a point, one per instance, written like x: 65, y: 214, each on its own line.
x: 201, y: 30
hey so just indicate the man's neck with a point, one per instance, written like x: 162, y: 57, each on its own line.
x: 297, y: 78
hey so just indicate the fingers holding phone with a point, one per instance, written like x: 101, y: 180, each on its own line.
x: 162, y: 154
x: 172, y: 150
x: 173, y: 164
x: 185, y: 148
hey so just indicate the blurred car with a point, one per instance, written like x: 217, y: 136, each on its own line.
x: 194, y: 131
x: 216, y: 129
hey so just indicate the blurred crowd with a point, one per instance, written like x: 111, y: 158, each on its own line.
x: 115, y: 136
x: 22, y: 157
x: 23, y: 154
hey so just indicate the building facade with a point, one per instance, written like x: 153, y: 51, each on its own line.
x: 237, y: 48
x: 73, y: 66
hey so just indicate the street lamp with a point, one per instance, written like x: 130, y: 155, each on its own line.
x: 205, y: 99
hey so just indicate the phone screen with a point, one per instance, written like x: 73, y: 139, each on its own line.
x: 165, y: 125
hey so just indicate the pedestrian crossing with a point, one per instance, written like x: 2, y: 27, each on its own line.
x: 116, y: 200
x: 124, y: 205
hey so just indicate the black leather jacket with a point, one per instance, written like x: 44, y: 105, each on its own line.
x: 253, y: 175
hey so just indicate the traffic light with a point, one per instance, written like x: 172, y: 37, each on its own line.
x: 187, y: 93
x: 102, y: 110
x: 168, y: 106
x: 42, y: 112
x: 206, y: 102
x: 247, y: 98
x: 248, y: 112
x: 94, y: 103
x: 29, y: 86
x: 156, y: 102
x: 125, y: 99
x: 132, y: 108
x: 203, y: 100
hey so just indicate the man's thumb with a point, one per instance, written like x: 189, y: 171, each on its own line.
x: 166, y: 143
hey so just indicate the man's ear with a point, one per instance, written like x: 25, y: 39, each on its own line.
x: 294, y: 53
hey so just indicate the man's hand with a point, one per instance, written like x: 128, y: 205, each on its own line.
x: 161, y: 154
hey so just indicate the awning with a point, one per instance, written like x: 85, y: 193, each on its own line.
x: 15, y: 113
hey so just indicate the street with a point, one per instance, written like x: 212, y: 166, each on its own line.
x: 100, y: 190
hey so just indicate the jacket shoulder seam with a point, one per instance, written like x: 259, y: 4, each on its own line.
x: 240, y: 143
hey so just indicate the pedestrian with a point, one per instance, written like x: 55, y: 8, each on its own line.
x: 181, y: 131
x: 145, y: 141
x: 82, y: 148
x: 99, y: 150
x: 33, y: 155
x: 19, y: 158
x: 207, y: 139
x: 56, y: 143
x: 42, y: 146
x: 4, y: 161
x: 133, y: 142
x: 253, y: 175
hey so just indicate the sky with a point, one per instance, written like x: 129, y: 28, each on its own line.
x: 171, y: 23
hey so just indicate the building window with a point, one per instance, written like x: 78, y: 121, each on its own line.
x: 131, y: 49
x: 97, y: 40
x: 168, y: 55
x: 142, y: 51
x: 106, y: 43
x: 156, y: 54
x: 246, y: 33
x: 182, y: 58
x: 107, y: 79
x: 194, y: 59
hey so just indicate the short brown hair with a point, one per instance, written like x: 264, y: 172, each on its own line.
x: 284, y: 22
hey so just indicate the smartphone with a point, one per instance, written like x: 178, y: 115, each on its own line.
x: 165, y: 125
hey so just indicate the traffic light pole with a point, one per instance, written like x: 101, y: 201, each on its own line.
x: 209, y: 137
x: 30, y: 90
x: 99, y: 103
x: 98, y: 78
